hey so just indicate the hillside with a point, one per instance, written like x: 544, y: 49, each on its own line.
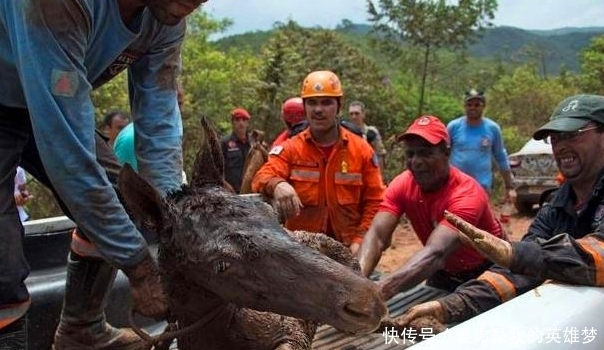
x: 558, y: 48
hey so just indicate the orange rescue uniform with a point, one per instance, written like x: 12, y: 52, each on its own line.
x: 340, y: 194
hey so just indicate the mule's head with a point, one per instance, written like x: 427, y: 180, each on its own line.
x: 235, y: 248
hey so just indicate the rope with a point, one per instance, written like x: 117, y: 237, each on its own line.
x: 169, y: 334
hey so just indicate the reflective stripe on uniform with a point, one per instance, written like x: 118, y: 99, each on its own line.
x: 83, y: 247
x: 9, y: 313
x: 502, y: 285
x: 305, y: 174
x: 595, y: 247
x: 349, y: 176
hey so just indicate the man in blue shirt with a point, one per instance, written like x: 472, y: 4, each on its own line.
x: 475, y: 141
x: 52, y: 54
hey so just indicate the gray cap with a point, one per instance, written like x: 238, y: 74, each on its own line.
x: 572, y: 114
x: 473, y: 93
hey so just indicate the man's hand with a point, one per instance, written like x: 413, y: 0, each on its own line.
x: 511, y: 195
x: 22, y: 195
x: 431, y: 308
x: 147, y: 290
x: 286, y: 200
x: 354, y: 248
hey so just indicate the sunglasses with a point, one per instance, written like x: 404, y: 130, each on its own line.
x: 571, y: 135
x: 354, y: 113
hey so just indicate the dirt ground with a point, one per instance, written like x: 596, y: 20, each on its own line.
x: 405, y: 243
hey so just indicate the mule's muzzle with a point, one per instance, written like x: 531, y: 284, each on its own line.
x: 364, y: 311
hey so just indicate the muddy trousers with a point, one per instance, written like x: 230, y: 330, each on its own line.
x: 83, y: 325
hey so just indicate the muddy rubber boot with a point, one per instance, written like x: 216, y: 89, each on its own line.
x: 14, y: 336
x: 83, y: 325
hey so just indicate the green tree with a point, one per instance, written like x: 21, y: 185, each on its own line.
x: 214, y: 81
x: 523, y: 101
x: 592, y: 67
x: 430, y: 25
x: 293, y: 52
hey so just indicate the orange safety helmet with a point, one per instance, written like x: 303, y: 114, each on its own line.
x: 321, y: 83
x: 292, y: 110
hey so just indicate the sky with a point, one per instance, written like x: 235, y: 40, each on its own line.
x: 250, y: 15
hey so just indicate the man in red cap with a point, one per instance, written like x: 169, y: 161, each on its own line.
x: 428, y: 187
x: 235, y: 148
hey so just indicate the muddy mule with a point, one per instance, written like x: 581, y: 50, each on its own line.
x: 220, y: 253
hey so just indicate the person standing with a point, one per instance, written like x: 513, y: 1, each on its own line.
x: 422, y: 192
x: 356, y: 113
x: 47, y: 126
x: 325, y: 179
x: 475, y: 141
x: 235, y: 148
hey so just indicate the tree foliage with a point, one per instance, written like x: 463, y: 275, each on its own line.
x: 293, y: 52
x: 430, y: 25
x: 592, y: 67
x: 524, y: 101
x: 218, y: 78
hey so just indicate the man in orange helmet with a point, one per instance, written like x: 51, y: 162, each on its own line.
x: 325, y: 179
x: 292, y: 113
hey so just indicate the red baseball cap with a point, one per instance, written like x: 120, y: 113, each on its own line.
x: 428, y: 127
x: 240, y: 113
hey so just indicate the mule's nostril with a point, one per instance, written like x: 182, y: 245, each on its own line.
x: 355, y: 311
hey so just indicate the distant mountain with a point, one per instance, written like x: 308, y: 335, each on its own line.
x: 567, y: 30
x: 556, y: 48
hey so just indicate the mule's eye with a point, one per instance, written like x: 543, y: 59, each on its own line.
x: 221, y: 266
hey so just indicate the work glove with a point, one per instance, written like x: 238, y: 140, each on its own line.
x: 493, y: 248
x: 428, y: 309
x: 146, y: 289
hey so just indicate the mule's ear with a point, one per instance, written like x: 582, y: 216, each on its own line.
x: 141, y: 200
x: 209, y: 162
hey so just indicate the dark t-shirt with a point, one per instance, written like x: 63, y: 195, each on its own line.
x: 234, y: 152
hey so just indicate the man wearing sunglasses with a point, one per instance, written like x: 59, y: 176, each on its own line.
x: 565, y: 242
x: 475, y: 141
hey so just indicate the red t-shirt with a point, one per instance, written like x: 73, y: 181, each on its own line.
x: 462, y: 196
